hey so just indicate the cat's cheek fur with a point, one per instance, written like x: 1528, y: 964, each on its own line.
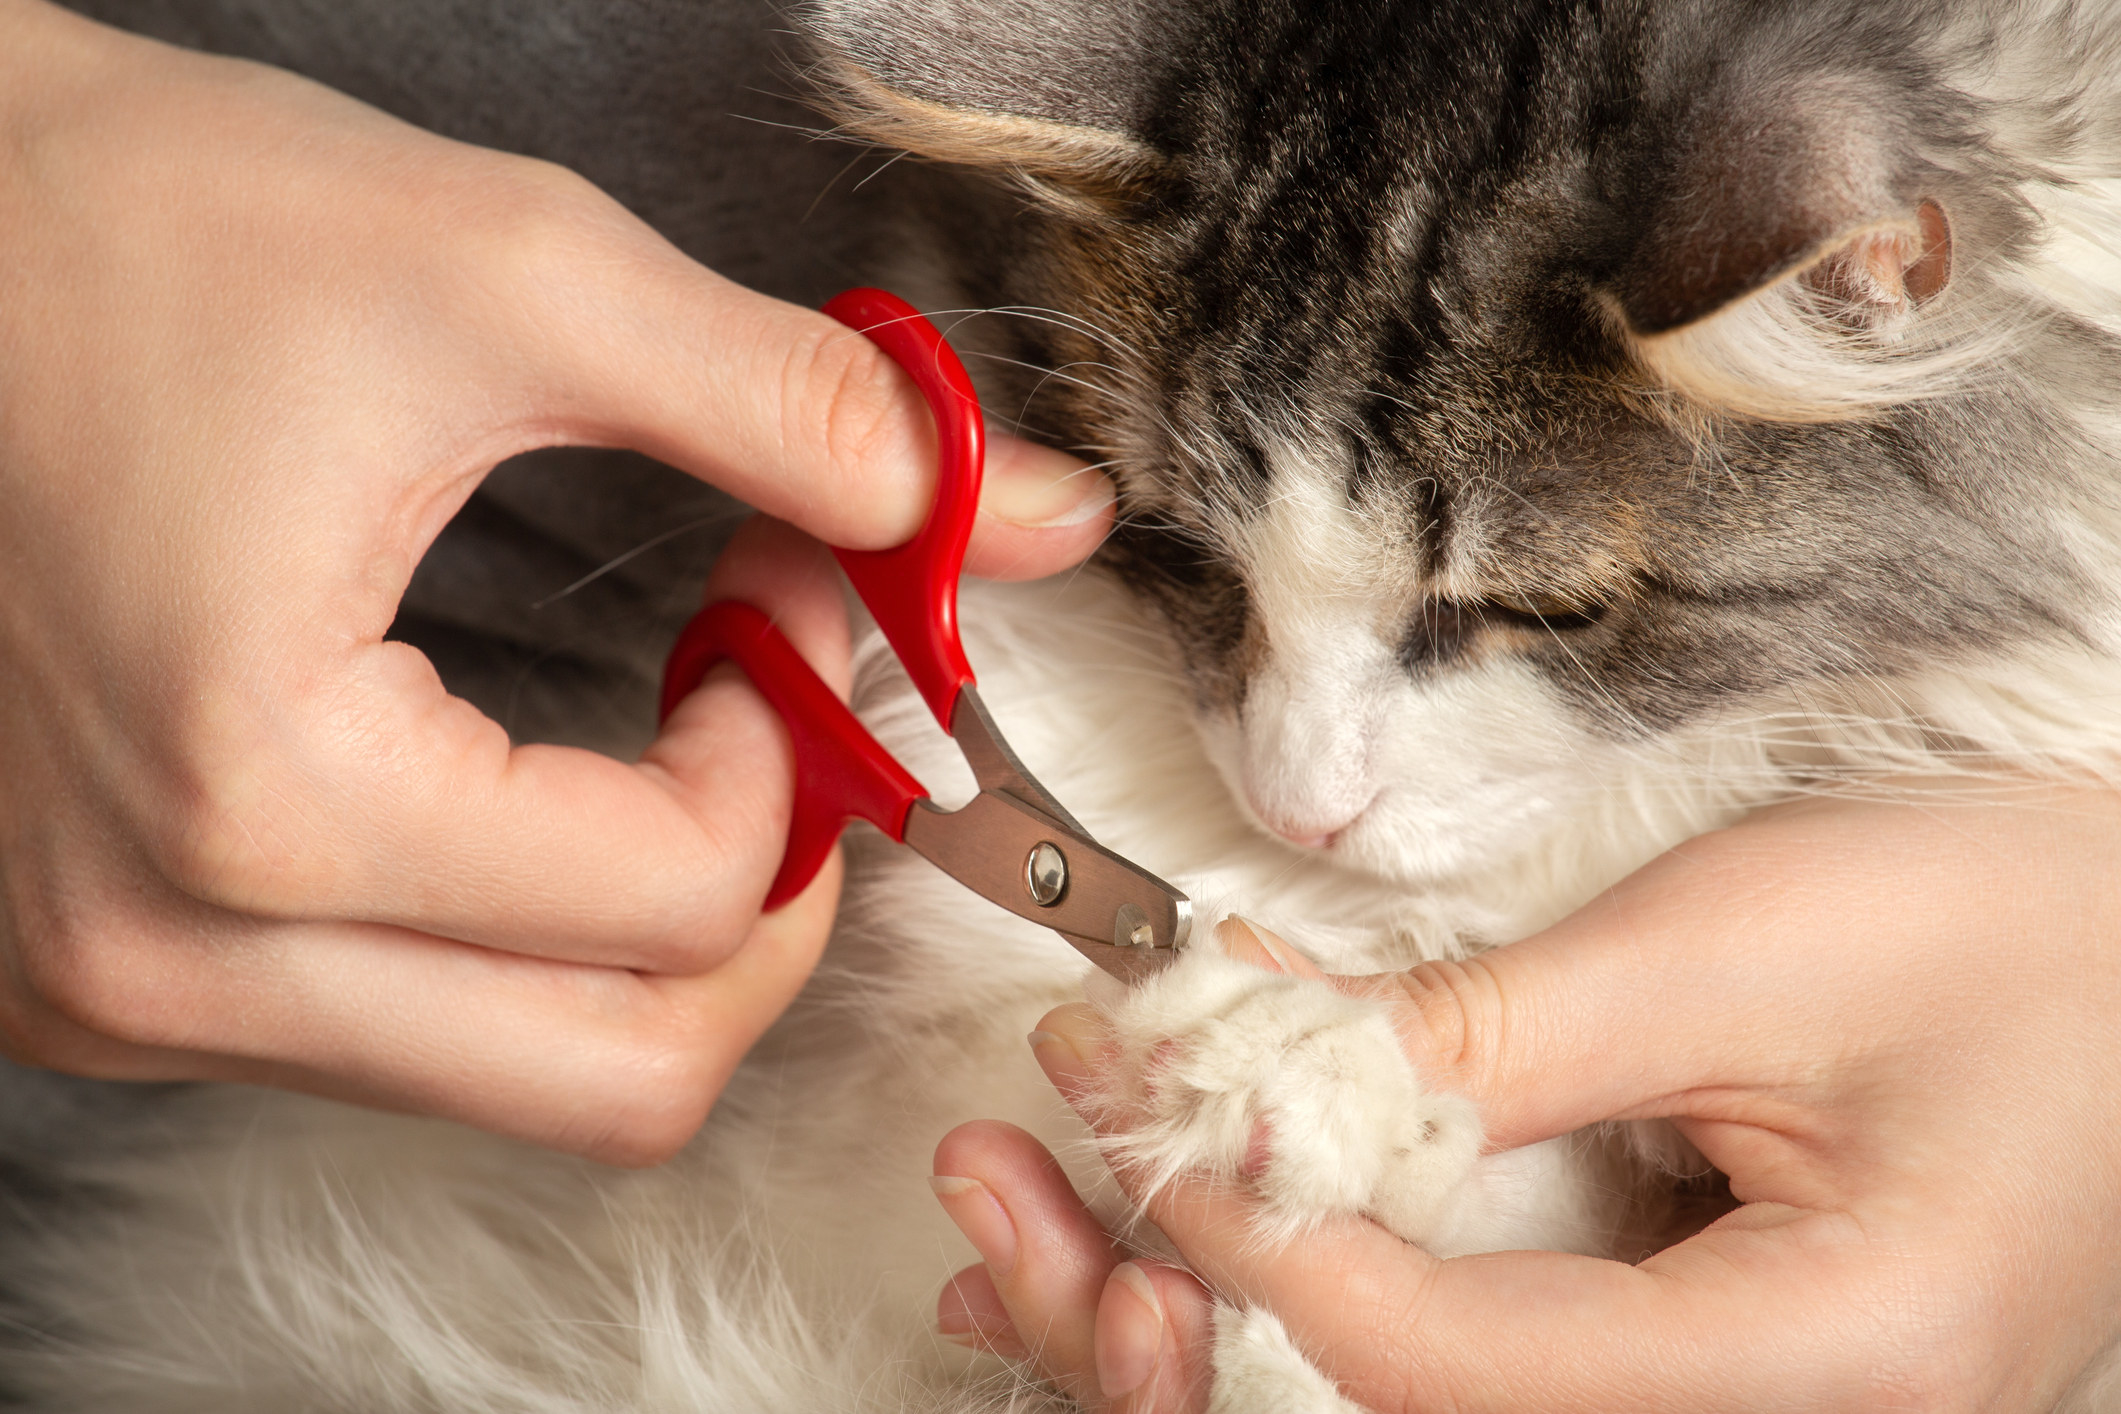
x: 1481, y: 765
x: 1414, y: 771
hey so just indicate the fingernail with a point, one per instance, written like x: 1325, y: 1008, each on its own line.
x: 960, y: 1329
x: 1001, y: 1340
x: 982, y: 1218
x: 1060, y: 1060
x: 1248, y: 942
x: 1067, y: 1038
x: 1285, y: 957
x: 1055, y: 1055
x: 963, y: 1328
x: 1038, y: 488
x: 1130, y: 1331
x: 1240, y: 940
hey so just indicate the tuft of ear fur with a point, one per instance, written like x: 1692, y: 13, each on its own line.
x: 1051, y: 95
x: 1835, y: 336
x: 1793, y: 254
x: 1883, y: 271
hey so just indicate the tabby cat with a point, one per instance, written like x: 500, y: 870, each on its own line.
x: 1545, y: 431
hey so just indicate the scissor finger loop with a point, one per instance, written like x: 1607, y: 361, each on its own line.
x: 1013, y: 843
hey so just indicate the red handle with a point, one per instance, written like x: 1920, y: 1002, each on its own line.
x: 912, y: 589
x: 840, y: 770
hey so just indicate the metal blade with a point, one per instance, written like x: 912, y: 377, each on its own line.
x: 993, y: 761
x: 1117, y: 914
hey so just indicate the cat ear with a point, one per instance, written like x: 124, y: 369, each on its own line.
x: 1778, y: 263
x: 1812, y: 195
x: 1053, y: 93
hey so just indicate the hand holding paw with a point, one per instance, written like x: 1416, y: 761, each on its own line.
x: 1890, y: 1026
x: 1220, y: 1068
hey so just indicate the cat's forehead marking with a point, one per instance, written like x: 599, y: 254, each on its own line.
x: 1310, y: 554
x: 1307, y: 516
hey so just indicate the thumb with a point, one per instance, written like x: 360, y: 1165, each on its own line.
x: 785, y: 408
x: 1723, y: 966
x: 1547, y: 1035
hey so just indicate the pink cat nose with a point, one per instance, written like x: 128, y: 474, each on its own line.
x: 1323, y: 841
x: 1306, y: 834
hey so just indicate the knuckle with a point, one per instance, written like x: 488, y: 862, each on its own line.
x: 76, y: 973
x: 551, y: 184
x: 704, y: 912
x: 686, y: 948
x: 1460, y: 1013
x: 536, y: 225
x: 32, y: 1032
x: 705, y: 896
x: 673, y: 1074
x: 228, y: 845
x: 644, y: 1141
x: 43, y: 1040
x: 86, y: 987
x: 849, y: 397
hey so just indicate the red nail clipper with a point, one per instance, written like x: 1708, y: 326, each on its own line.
x: 1013, y: 843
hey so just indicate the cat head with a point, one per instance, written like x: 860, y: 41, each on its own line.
x: 1499, y: 391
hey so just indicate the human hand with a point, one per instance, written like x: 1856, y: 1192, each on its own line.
x: 257, y: 344
x: 1890, y: 1024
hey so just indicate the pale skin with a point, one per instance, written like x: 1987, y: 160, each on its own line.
x: 1894, y: 1027
x: 257, y: 344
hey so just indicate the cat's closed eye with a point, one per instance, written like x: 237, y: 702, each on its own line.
x: 1537, y: 611
x: 1442, y: 628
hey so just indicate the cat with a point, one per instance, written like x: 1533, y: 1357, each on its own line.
x: 1544, y: 431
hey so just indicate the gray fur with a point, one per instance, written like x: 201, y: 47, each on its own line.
x: 1077, y: 64
x: 1382, y: 234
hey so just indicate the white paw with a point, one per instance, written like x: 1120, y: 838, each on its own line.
x: 1259, y: 1370
x: 1285, y: 1084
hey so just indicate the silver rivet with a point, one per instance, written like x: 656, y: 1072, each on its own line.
x: 1046, y: 875
x: 1131, y: 928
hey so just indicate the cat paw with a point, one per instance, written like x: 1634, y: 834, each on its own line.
x: 1259, y: 1370
x: 1284, y: 1084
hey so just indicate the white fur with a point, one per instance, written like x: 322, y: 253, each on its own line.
x: 1216, y: 1057
x: 291, y: 1253
x: 1258, y: 1368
